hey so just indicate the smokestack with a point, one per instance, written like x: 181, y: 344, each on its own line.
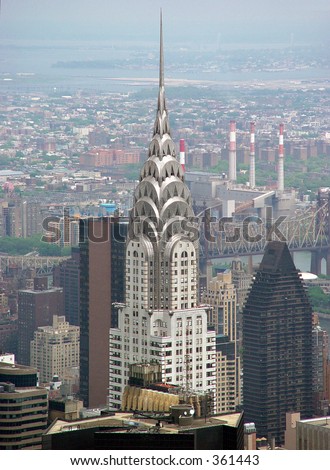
x: 280, y: 182
x: 252, y: 156
x: 182, y: 155
x: 232, y: 151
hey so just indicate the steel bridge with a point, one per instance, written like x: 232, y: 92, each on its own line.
x: 308, y: 229
x: 42, y: 264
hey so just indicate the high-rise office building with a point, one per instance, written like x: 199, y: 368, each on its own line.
x: 161, y: 320
x: 221, y: 296
x: 55, y: 348
x: 102, y: 283
x: 67, y: 276
x: 242, y: 281
x: 277, y: 345
x: 321, y: 367
x: 8, y: 335
x: 31, y: 218
x: 35, y: 308
x: 66, y: 231
x: 23, y: 408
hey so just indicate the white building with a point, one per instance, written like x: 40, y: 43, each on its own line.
x: 161, y: 320
x: 55, y: 349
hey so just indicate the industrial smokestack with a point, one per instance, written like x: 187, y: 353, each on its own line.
x: 280, y: 182
x: 232, y: 151
x: 252, y: 156
x: 182, y: 155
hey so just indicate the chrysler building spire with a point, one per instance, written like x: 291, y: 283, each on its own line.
x: 161, y: 98
x: 161, y: 126
x: 162, y: 201
x: 162, y: 273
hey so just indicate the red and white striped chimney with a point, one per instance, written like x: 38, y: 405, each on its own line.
x: 280, y: 182
x: 182, y: 155
x: 232, y: 151
x: 252, y: 156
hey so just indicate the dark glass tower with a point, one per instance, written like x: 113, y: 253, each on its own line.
x: 67, y: 276
x: 102, y: 283
x: 277, y: 345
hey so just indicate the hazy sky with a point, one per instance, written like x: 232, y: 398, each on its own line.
x: 184, y: 20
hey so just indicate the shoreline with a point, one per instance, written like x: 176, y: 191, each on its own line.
x: 254, y: 84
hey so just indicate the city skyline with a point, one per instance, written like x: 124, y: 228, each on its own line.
x: 162, y: 271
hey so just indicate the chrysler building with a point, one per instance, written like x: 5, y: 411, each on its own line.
x: 161, y: 320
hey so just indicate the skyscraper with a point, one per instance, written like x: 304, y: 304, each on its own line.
x: 102, y: 270
x: 35, y: 308
x: 67, y: 276
x: 55, y: 348
x: 161, y: 320
x: 321, y: 362
x: 221, y: 295
x: 277, y: 345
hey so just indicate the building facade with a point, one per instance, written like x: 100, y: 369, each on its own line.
x: 23, y: 408
x: 221, y: 296
x: 321, y: 361
x: 313, y: 434
x: 277, y: 345
x: 161, y: 320
x: 35, y: 308
x: 55, y: 348
x: 242, y: 281
x: 8, y: 335
x: 67, y: 276
x: 102, y: 283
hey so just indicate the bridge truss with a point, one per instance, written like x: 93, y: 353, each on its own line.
x: 244, y: 234
x: 42, y: 264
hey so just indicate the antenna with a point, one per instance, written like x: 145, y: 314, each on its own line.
x: 161, y: 126
x: 161, y: 53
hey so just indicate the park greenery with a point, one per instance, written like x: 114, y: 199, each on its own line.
x: 319, y: 299
x: 22, y: 246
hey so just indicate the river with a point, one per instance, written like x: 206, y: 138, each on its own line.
x: 30, y: 67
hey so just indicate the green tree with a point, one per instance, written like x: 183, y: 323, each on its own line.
x: 319, y: 299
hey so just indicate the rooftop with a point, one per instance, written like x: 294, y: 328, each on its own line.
x: 14, y: 368
x: 126, y: 419
x: 324, y: 422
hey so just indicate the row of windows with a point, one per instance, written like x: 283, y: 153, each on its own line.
x: 9, y: 424
x: 135, y: 263
x: 20, y: 416
x: 22, y: 400
x: 22, y: 438
x: 184, y: 254
x: 21, y: 430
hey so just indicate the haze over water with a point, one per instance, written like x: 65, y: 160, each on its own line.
x: 34, y: 67
x: 35, y: 35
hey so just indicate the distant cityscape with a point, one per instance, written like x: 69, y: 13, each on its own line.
x: 151, y: 292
